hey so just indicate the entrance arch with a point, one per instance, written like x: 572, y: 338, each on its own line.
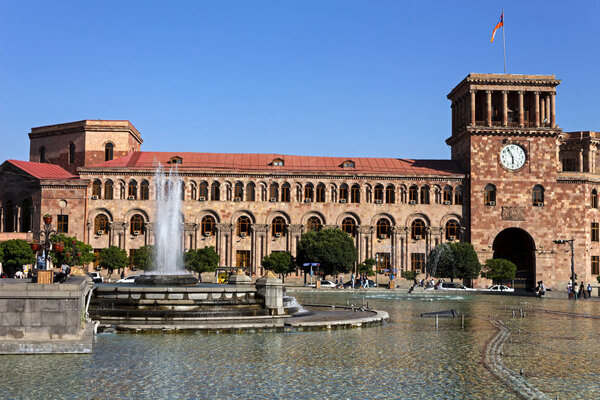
x: 518, y: 246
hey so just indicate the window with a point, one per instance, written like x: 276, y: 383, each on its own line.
x: 208, y: 226
x: 417, y: 229
x: 595, y: 265
x: 193, y: 191
x: 71, y: 153
x: 382, y: 261
x: 355, y: 193
x: 251, y: 192
x: 101, y: 224
x: 425, y: 195
x: 348, y: 164
x: 108, y: 190
x: 489, y: 195
x: 203, y: 191
x: 136, y: 225
x: 595, y: 236
x: 215, y: 191
x: 417, y: 262
x: 243, y: 226
x: 175, y: 160
x: 448, y: 195
x: 182, y: 189
x: 274, y: 192
x: 278, y: 227
x: 378, y: 194
x: 452, y: 229
x: 42, y: 154
x: 286, y: 191
x: 320, y: 193
x: 594, y: 198
x: 413, y: 194
x: 144, y: 190
x: 390, y: 194
x: 537, y: 195
x: 242, y: 258
x: 568, y: 165
x: 238, y: 191
x: 343, y: 193
x: 458, y: 196
x: 108, y: 151
x: 132, y: 190
x: 349, y: 226
x: 313, y: 224
x: 278, y: 162
x: 62, y: 223
x: 96, y: 188
x: 383, y: 228
x: 309, y: 192
x: 26, y: 212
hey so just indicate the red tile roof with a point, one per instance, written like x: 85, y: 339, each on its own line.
x: 42, y: 170
x: 262, y: 162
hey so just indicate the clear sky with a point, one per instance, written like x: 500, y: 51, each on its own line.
x: 344, y: 78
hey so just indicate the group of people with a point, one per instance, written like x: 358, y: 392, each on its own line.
x: 581, y: 293
x: 540, y: 289
x: 360, y: 282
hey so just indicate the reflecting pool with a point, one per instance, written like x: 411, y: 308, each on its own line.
x: 407, y: 358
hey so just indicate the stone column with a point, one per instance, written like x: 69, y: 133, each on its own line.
x: 593, y: 156
x: 537, y: 109
x: 580, y: 160
x: 589, y: 158
x: 406, y: 233
x: 472, y: 113
x: 547, y: 106
x: 488, y: 102
x: 543, y: 108
x: 521, y: 110
x: 295, y: 230
x: 189, y: 228
x: 224, y: 231
x: 395, y: 262
x: 504, y: 108
x: 259, y: 251
x: 553, y: 110
x: 89, y: 226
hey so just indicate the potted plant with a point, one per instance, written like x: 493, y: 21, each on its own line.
x: 47, y: 219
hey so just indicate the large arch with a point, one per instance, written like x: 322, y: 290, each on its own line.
x: 517, y: 245
x: 206, y: 212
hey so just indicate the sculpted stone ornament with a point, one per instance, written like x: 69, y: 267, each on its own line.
x: 239, y: 277
x: 513, y: 213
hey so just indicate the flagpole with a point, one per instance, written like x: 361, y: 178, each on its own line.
x: 503, y: 41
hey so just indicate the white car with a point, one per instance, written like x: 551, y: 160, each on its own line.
x: 453, y: 286
x: 324, y: 284
x: 128, y: 279
x: 500, y: 288
x: 96, y: 277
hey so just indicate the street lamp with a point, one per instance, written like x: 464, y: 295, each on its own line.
x: 570, y: 241
x: 45, y: 237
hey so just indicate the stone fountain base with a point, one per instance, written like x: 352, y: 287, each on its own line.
x: 166, y: 280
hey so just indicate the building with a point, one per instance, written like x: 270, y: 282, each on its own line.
x: 515, y: 183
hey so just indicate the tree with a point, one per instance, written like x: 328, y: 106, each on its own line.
x: 409, y: 275
x: 280, y: 262
x: 466, y: 260
x: 143, y: 258
x: 366, y: 267
x: 201, y: 260
x: 74, y: 252
x: 499, y: 269
x: 113, y: 258
x: 333, y: 249
x: 453, y: 260
x: 15, y: 254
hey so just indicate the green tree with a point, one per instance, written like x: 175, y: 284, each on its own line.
x: 409, y: 275
x: 333, y: 249
x: 113, y: 258
x: 467, y: 260
x: 75, y: 252
x: 15, y: 254
x: 201, y: 260
x: 453, y: 260
x: 143, y: 258
x: 280, y: 262
x: 499, y: 269
x: 366, y: 267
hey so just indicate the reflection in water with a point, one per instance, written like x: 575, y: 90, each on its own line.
x: 407, y: 358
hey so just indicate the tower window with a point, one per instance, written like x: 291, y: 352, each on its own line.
x: 71, y: 153
x: 42, y: 154
x: 538, y: 195
x: 594, y: 198
x: 108, y: 151
x: 595, y: 236
x: 489, y: 195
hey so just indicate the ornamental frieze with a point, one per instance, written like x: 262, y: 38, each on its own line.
x: 513, y: 213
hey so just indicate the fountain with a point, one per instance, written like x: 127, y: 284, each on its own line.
x: 167, y: 269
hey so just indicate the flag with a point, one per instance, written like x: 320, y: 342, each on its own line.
x: 498, y: 25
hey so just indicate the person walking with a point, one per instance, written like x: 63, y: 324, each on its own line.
x: 352, y: 277
x: 341, y: 282
x: 581, y: 291
x: 589, y: 289
x: 365, y: 281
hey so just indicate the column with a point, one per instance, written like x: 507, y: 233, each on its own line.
x: 589, y: 158
x: 593, y: 161
x: 547, y: 106
x: 553, y: 110
x: 488, y: 102
x: 521, y: 110
x: 504, y: 108
x: 472, y: 94
x: 543, y: 109
x: 580, y: 160
x: 453, y: 107
x: 537, y: 109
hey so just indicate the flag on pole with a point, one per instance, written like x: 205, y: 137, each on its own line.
x: 498, y: 25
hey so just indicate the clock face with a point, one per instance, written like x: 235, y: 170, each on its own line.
x: 512, y: 156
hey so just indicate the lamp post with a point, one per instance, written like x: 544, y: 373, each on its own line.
x: 570, y: 241
x: 45, y: 236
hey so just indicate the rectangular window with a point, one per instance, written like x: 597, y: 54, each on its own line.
x: 595, y: 235
x: 595, y: 265
x: 382, y: 261
x: 242, y: 258
x: 417, y: 262
x: 568, y: 164
x: 62, y: 224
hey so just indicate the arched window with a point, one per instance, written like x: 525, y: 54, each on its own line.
x: 71, y: 153
x: 413, y: 194
x: 320, y: 193
x: 537, y: 195
x: 349, y: 226
x: 193, y: 191
x: 403, y: 194
x: 274, y: 192
x: 448, y: 195
x: 390, y: 194
x: 452, y: 229
x: 378, y: 194
x: 309, y: 192
x: 425, y: 195
x: 417, y: 229
x: 144, y: 190
x: 96, y: 189
x: 9, y: 216
x: 101, y: 224
x: 203, y: 191
x: 458, y: 196
x: 355, y: 193
x: 136, y: 225
x: 278, y: 227
x: 108, y: 151
x: 182, y: 188
x: 594, y: 198
x: 108, y: 190
x: 238, y: 191
x: 250, y: 192
x: 208, y: 226
x: 285, y: 192
x: 313, y: 224
x: 437, y: 194
x: 243, y: 226
x: 132, y: 190
x: 26, y: 211
x: 383, y: 228
x: 215, y: 191
x: 42, y: 154
x: 343, y: 193
x: 489, y: 195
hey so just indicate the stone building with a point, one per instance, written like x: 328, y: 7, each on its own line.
x: 515, y: 183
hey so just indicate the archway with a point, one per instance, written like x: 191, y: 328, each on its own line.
x: 518, y: 246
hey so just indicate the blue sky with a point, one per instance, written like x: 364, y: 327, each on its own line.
x: 343, y: 78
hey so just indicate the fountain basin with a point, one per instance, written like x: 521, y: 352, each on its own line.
x: 166, y: 280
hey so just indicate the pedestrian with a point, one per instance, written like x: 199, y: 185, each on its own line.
x: 365, y: 282
x: 341, y: 282
x: 589, y: 289
x: 542, y: 288
x: 352, y: 278
x: 123, y: 273
x: 581, y: 291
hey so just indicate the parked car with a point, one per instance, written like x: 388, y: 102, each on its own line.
x: 452, y: 286
x: 128, y: 279
x: 500, y: 288
x: 324, y: 284
x: 357, y: 284
x: 96, y: 277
